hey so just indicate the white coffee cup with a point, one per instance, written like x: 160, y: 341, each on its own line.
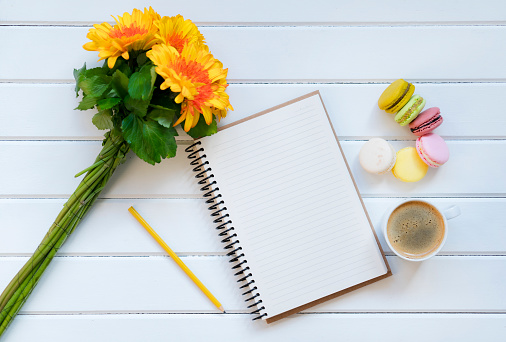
x: 412, y: 228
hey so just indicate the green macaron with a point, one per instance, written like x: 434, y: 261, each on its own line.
x: 410, y: 110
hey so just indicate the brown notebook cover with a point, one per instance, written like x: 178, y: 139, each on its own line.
x: 288, y: 209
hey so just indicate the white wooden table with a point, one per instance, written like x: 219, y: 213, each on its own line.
x: 112, y: 282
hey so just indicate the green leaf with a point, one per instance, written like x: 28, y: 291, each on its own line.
x: 120, y: 83
x: 110, y: 93
x: 151, y: 141
x: 142, y: 82
x: 103, y: 119
x: 95, y: 85
x: 98, y: 71
x: 163, y: 116
x: 172, y: 144
x: 87, y: 102
x: 121, y: 65
x: 78, y: 75
x: 168, y: 104
x: 138, y: 107
x: 108, y: 102
x: 142, y: 58
x: 202, y: 129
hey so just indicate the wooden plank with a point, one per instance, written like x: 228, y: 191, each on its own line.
x: 187, y: 228
x: 109, y: 229
x: 59, y: 158
x: 57, y: 162
x: 263, y: 11
x: 471, y: 170
x: 306, y: 327
x: 157, y: 285
x: 260, y: 53
x: 49, y: 115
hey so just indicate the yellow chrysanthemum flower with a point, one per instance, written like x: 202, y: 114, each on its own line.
x: 177, y: 32
x: 199, y: 79
x: 134, y: 31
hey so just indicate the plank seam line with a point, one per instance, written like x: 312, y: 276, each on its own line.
x: 294, y: 24
x: 199, y: 196
x: 157, y: 255
x: 184, y: 141
x: 154, y: 255
x: 188, y: 141
x: 181, y: 140
x: 15, y: 197
x: 288, y: 81
x: 240, y: 312
x: 123, y: 197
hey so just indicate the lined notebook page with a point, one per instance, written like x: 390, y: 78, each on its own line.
x: 295, y: 209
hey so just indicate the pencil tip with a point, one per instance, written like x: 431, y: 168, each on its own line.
x: 221, y: 309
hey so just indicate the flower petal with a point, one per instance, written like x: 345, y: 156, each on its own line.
x: 134, y: 31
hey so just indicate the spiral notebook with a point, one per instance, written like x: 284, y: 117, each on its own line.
x: 287, y: 209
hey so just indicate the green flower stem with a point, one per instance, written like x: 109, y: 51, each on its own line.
x: 15, y: 294
x: 102, y: 158
x: 29, y: 283
x: 58, y: 228
x: 44, y: 248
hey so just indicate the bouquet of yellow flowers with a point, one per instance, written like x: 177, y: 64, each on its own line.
x: 158, y: 74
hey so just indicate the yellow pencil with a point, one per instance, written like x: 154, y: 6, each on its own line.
x: 176, y: 258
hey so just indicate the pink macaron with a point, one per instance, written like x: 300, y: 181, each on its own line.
x: 426, y: 121
x: 432, y: 149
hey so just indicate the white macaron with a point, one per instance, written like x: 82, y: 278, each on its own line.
x: 377, y: 156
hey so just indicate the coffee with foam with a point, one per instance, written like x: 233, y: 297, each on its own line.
x: 415, y: 229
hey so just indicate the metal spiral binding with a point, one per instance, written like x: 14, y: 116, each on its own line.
x: 223, y: 221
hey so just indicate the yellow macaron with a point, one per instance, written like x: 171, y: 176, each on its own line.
x: 395, y: 96
x: 409, y: 167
